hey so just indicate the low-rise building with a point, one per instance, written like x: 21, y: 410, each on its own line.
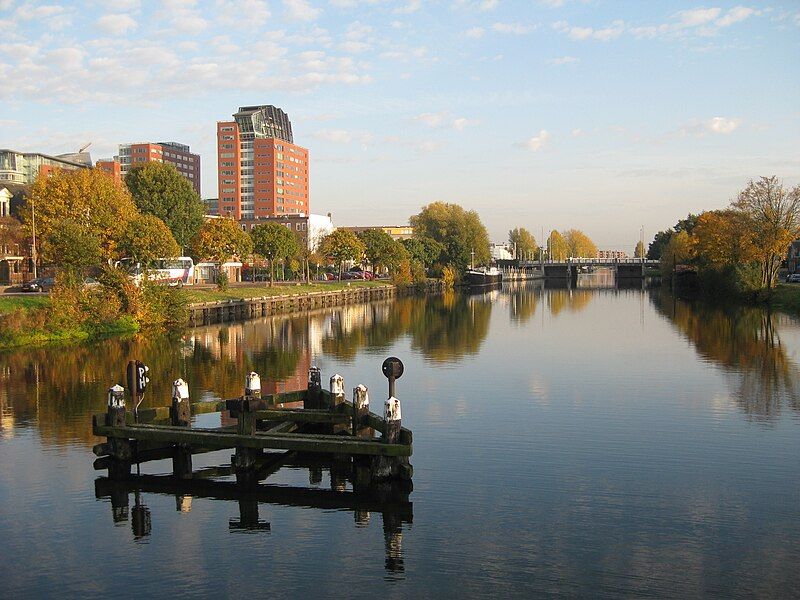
x: 397, y: 232
x: 24, y: 167
x: 309, y: 229
x: 501, y: 251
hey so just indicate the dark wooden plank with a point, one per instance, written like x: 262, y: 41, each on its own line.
x: 278, y: 441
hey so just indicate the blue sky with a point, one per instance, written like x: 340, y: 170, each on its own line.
x: 603, y: 116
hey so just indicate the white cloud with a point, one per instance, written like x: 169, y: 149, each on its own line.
x: 578, y: 132
x: 242, y: 14
x: 116, y: 24
x: 513, y: 28
x: 475, y: 5
x: 343, y: 136
x: 538, y: 141
x: 409, y: 7
x: 474, y: 33
x: 445, y: 119
x: 301, y: 10
x: 722, y: 125
x: 606, y: 34
x: 697, y: 16
x: 734, y: 15
x: 30, y: 12
x: 563, y: 60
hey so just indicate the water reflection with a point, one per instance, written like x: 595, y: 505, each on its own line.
x: 744, y: 340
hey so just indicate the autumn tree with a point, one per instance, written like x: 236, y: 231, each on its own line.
x: 524, y: 243
x: 579, y: 244
x: 146, y: 238
x: 557, y: 248
x: 656, y: 247
x: 459, y: 231
x: 72, y: 247
x: 678, y: 251
x: 639, y: 252
x: 773, y: 215
x: 340, y: 246
x: 87, y: 197
x: 274, y: 242
x: 220, y: 240
x: 159, y: 189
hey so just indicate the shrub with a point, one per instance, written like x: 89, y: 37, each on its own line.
x: 449, y: 276
x: 402, y: 275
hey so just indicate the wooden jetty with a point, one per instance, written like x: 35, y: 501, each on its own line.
x: 327, y: 424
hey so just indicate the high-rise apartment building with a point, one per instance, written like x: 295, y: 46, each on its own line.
x: 188, y: 164
x: 260, y: 170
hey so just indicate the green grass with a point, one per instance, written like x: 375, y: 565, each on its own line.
x: 786, y: 297
x: 242, y: 293
x: 122, y: 326
x: 11, y: 303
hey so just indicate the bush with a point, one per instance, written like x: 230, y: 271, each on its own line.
x: 418, y: 273
x: 163, y: 306
x: 449, y: 276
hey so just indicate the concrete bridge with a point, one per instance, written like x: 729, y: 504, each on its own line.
x: 623, y: 267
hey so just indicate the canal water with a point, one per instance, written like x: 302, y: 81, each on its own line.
x: 578, y: 442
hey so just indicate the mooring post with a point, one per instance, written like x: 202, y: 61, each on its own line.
x: 337, y: 390
x: 360, y: 406
x: 244, y: 461
x: 180, y: 416
x: 392, y: 415
x: 120, y: 448
x: 314, y: 394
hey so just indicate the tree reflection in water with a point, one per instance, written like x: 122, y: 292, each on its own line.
x: 745, y: 341
x: 55, y: 389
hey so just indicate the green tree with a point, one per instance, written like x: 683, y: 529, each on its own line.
x: 220, y: 240
x: 146, y: 238
x: 579, y: 244
x: 524, y: 243
x: 461, y: 233
x: 423, y: 249
x: 87, y: 197
x: 342, y: 245
x: 274, y: 242
x: 557, y: 248
x: 656, y: 247
x: 382, y: 250
x: 72, y: 247
x: 639, y: 250
x: 159, y: 189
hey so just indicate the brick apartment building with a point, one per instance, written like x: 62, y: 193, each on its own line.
x: 261, y: 171
x: 179, y: 155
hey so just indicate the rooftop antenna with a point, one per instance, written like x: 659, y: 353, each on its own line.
x: 84, y: 147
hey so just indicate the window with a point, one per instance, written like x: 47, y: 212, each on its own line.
x: 228, y: 128
x: 227, y: 137
x: 227, y: 155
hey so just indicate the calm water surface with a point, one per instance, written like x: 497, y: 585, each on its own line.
x: 585, y: 442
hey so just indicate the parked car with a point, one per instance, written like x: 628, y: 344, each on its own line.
x: 40, y: 284
x: 793, y: 278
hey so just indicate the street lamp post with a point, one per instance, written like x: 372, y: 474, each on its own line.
x: 33, y: 227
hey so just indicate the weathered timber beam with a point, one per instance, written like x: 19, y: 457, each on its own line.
x: 300, y: 442
x: 143, y: 456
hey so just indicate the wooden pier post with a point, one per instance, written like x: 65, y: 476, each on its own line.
x: 337, y: 390
x: 314, y: 394
x: 244, y: 461
x: 119, y: 448
x: 360, y: 407
x: 181, y: 416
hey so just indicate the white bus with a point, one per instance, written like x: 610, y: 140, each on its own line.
x: 171, y: 271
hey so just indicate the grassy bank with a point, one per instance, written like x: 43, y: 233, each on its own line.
x: 245, y: 292
x: 11, y: 303
x: 786, y: 298
x: 71, y: 335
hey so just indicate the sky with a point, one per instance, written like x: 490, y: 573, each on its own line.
x: 616, y: 118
